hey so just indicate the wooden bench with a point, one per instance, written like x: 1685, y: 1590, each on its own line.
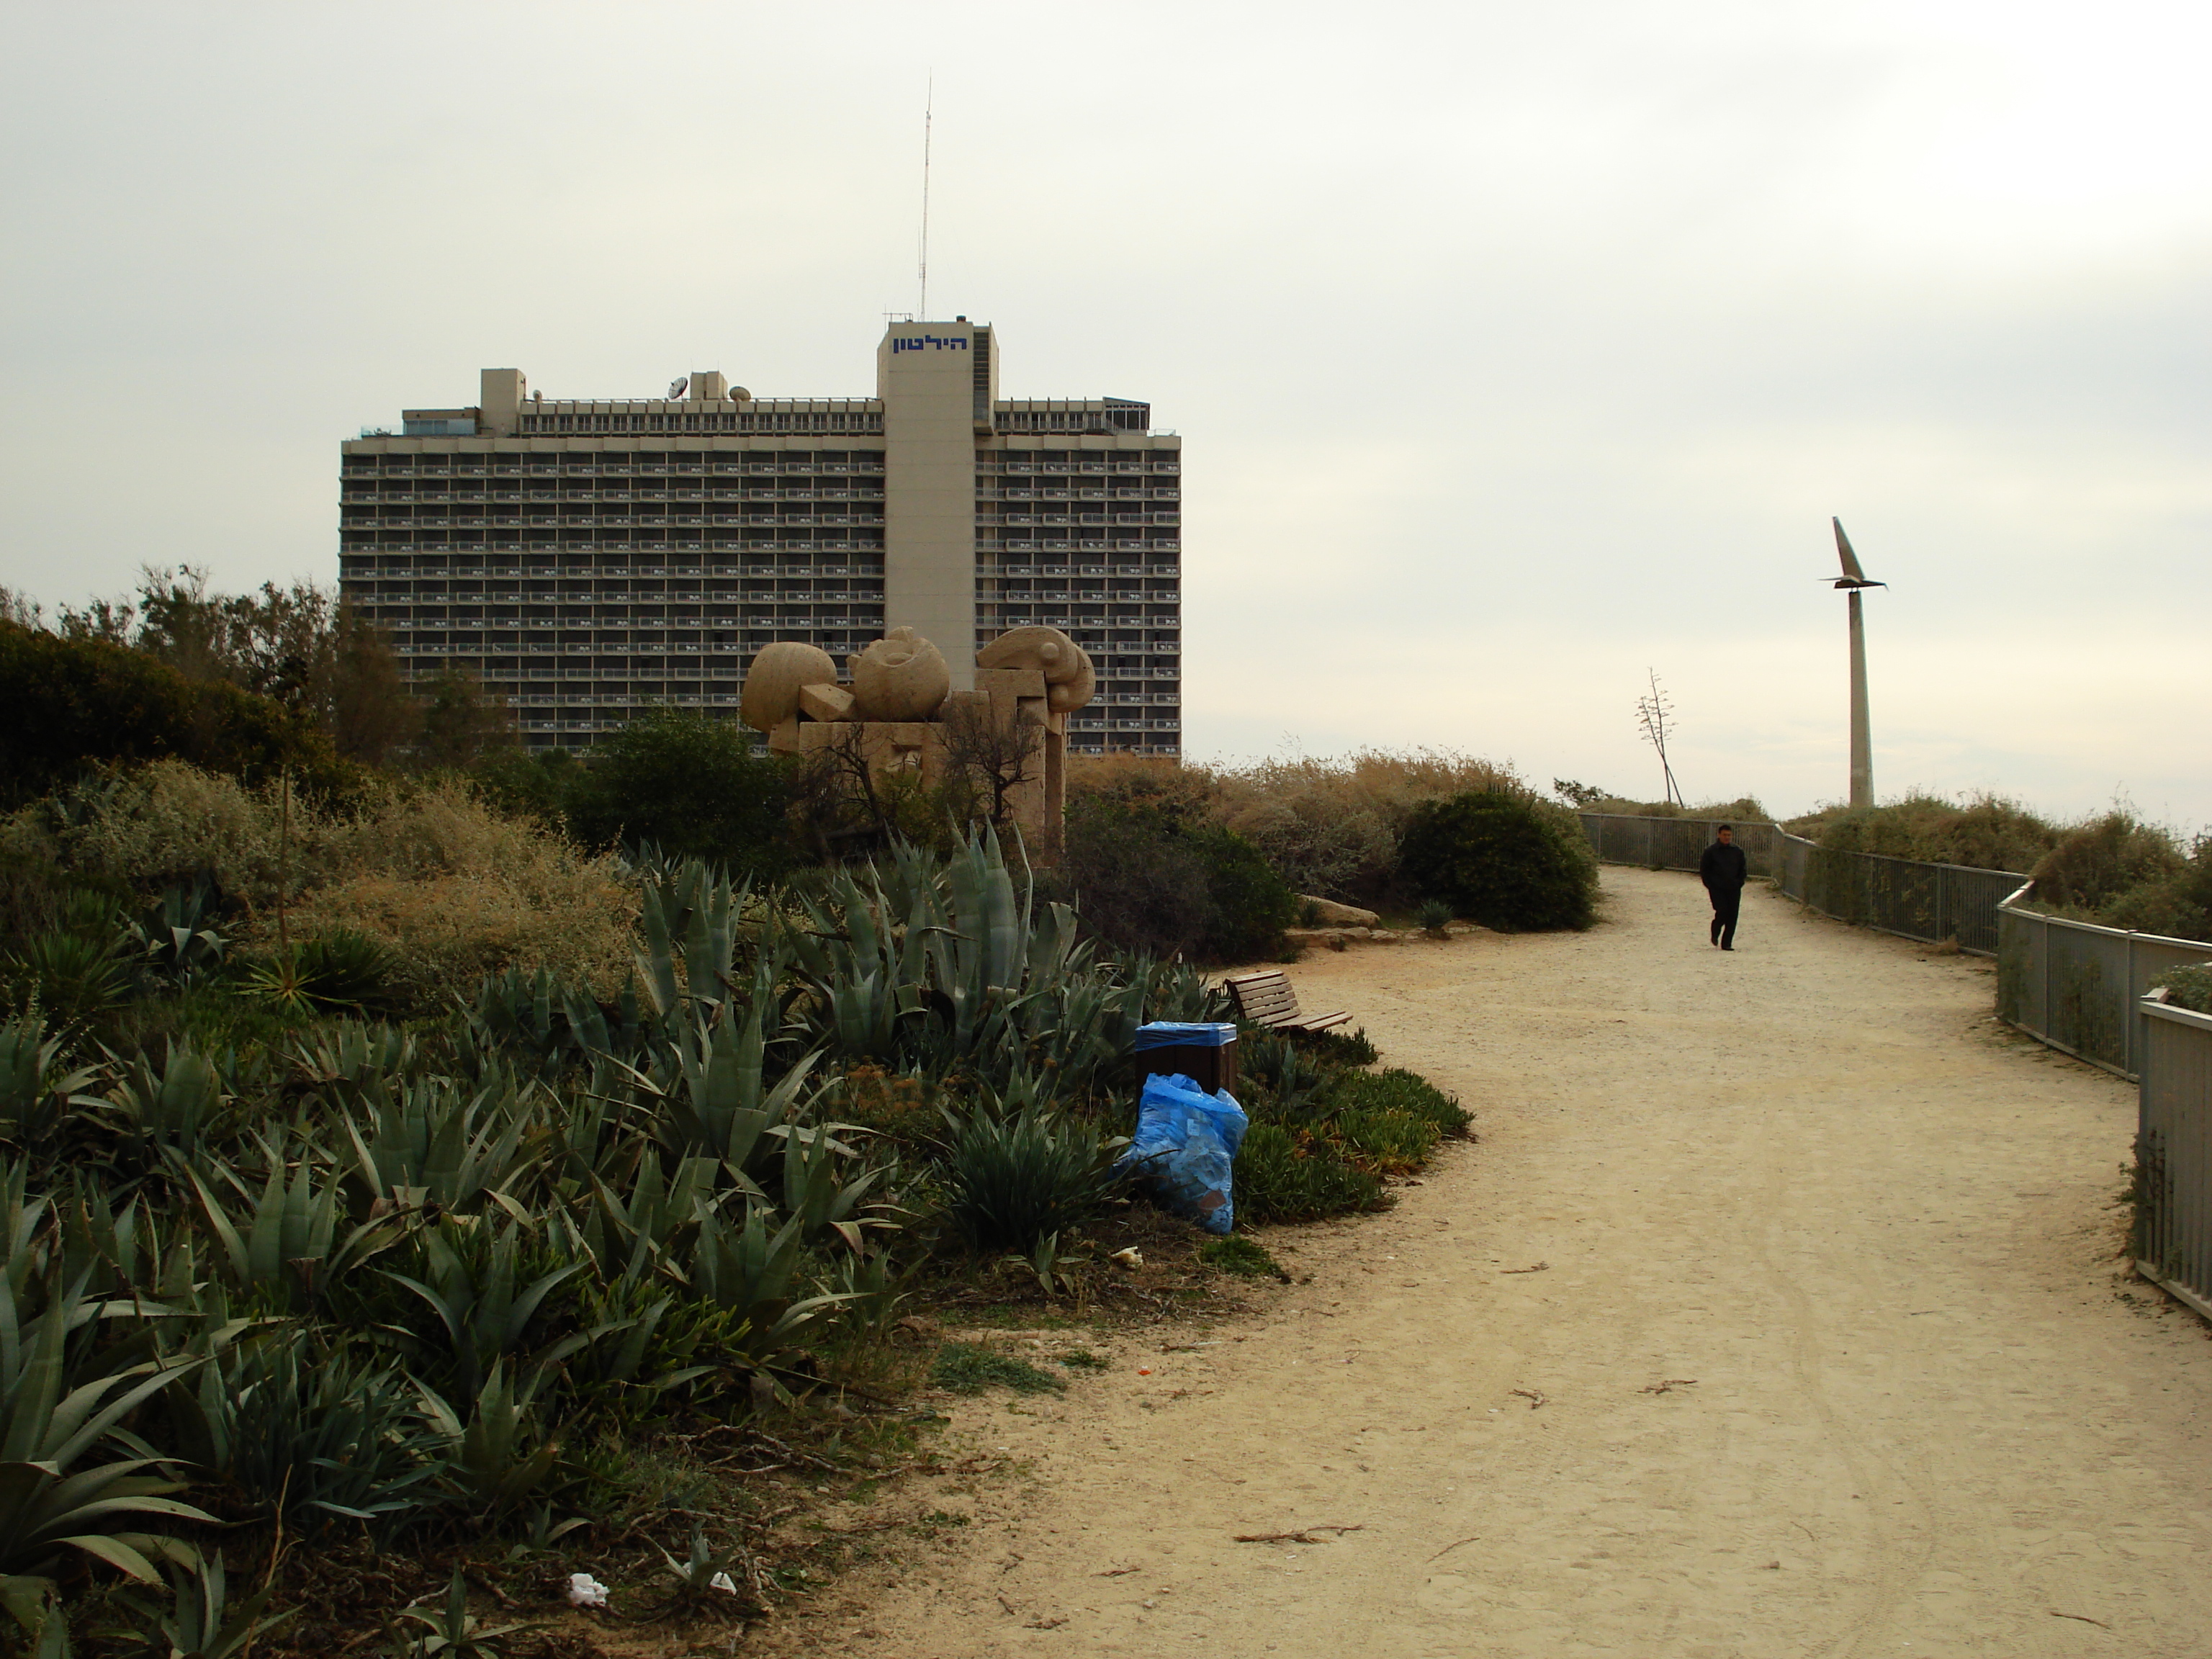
x: 1266, y: 999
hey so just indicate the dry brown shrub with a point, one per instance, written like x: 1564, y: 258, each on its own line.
x: 456, y: 888
x: 1189, y: 793
x: 1329, y: 827
x: 451, y: 930
x: 168, y: 821
x: 1332, y: 826
x: 461, y: 891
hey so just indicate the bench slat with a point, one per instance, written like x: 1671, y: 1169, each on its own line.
x: 1268, y: 998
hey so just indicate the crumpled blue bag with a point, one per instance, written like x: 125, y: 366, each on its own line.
x: 1186, y: 1145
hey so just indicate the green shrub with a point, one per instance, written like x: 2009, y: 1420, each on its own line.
x: 1387, y: 1142
x: 1243, y: 1255
x: 1509, y: 862
x: 2104, y: 860
x: 1338, y: 1047
x: 2176, y: 901
x: 76, y: 703
x: 1401, y: 1091
x: 1010, y: 1181
x: 70, y: 976
x: 970, y: 1368
x: 2188, y: 987
x: 1279, y: 1179
x: 1987, y: 833
x: 690, y: 784
x: 1147, y: 878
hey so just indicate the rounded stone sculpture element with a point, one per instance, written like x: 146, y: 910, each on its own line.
x: 1069, y: 680
x: 900, y: 676
x: 779, y: 673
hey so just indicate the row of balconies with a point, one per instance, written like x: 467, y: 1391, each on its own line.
x: 989, y: 462
x: 574, y: 638
x: 373, y: 495
x: 586, y: 466
x: 441, y: 593
x: 443, y: 515
x: 1118, y: 493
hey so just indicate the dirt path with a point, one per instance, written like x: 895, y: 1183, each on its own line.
x: 1877, y: 1232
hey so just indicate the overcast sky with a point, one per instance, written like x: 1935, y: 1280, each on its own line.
x: 1516, y: 349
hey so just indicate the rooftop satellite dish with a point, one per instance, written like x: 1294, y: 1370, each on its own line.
x: 675, y: 386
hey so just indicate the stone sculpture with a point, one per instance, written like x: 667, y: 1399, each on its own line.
x: 776, y: 678
x: 900, y: 676
x: 1069, y: 680
x: 899, y: 712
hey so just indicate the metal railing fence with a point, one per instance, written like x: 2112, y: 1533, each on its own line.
x: 1674, y: 843
x: 1929, y: 902
x: 2079, y: 987
x: 2173, y: 1236
x: 1905, y: 897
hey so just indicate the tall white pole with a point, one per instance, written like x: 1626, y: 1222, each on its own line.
x: 1862, y: 739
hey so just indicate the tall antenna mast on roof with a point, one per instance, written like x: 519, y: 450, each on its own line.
x: 928, y: 115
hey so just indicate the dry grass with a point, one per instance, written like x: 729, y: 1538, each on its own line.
x: 1329, y: 826
x: 458, y: 889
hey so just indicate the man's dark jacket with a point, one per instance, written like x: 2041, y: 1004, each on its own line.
x: 1722, y: 869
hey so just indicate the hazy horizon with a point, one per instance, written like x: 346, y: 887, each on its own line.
x: 1514, y: 352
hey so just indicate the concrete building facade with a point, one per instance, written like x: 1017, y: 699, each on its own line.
x: 591, y: 559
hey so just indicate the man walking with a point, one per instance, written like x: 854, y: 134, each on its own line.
x: 1722, y: 869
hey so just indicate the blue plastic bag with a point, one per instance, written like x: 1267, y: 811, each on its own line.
x: 1186, y: 1145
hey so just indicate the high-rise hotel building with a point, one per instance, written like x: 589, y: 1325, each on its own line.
x: 590, y: 559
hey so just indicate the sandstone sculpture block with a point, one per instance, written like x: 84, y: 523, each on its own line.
x: 1070, y: 680
x: 825, y: 702
x: 773, y: 684
x: 900, y: 676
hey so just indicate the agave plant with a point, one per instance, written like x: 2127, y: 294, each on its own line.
x: 74, y: 976
x: 752, y: 1273
x: 691, y: 918
x: 296, y: 1239
x: 49, y: 1422
x: 475, y: 1287
x: 710, y: 1581
x: 175, y: 938
x: 497, y: 1457
x: 1009, y: 1182
x: 453, y: 1632
x: 545, y: 1025
x: 427, y: 1142
x: 816, y: 1191
x: 181, y: 1106
x: 36, y: 1093
x: 199, y: 1625
x: 308, y: 1434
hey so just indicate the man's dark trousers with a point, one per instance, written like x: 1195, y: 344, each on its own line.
x: 1722, y: 869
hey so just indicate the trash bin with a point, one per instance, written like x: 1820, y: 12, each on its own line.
x: 1205, y: 1054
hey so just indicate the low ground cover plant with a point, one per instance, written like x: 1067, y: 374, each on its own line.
x: 305, y: 1243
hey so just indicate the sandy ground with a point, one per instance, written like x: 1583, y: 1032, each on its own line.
x: 1877, y: 1232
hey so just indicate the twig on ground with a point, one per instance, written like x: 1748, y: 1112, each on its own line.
x: 2083, y: 1618
x: 1669, y: 1385
x: 1303, y: 1536
x: 1012, y: 1611
x: 1114, y: 1572
x: 1541, y: 1267
x: 1449, y: 1547
x: 792, y: 1453
x: 1535, y: 1397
